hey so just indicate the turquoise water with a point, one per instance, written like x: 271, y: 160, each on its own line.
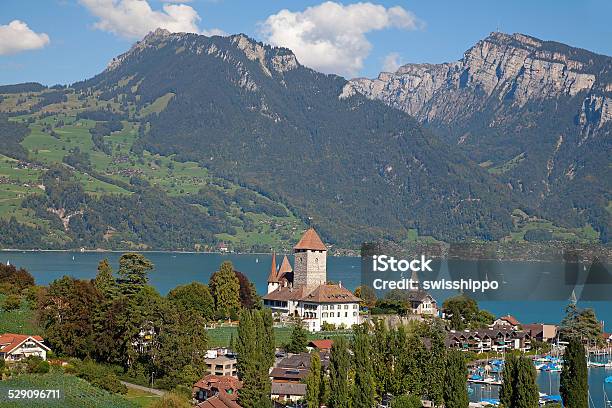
x: 172, y: 269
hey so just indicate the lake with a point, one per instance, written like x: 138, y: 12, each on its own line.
x: 178, y: 268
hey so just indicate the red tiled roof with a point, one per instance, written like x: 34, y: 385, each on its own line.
x: 510, y: 319
x: 322, y: 344
x: 331, y: 294
x: 273, y: 277
x: 224, y: 382
x: 285, y: 293
x: 218, y: 401
x: 311, y: 240
x: 10, y: 341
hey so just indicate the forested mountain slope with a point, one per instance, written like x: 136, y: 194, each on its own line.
x: 537, y: 114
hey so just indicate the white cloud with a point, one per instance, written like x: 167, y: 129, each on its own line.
x: 392, y: 62
x: 135, y: 18
x: 16, y: 36
x: 330, y: 37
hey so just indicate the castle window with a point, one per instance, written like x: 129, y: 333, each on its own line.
x: 324, y: 307
x: 354, y: 313
x: 355, y: 306
x: 324, y: 314
x: 331, y: 307
x: 346, y: 306
x: 331, y: 314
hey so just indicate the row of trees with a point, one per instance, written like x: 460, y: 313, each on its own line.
x: 407, y: 364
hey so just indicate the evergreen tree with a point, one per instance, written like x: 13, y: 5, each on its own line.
x: 298, y: 339
x: 506, y: 393
x: 225, y: 289
x: 133, y: 272
x: 269, y: 341
x: 406, y: 401
x: 574, y: 376
x: 436, y: 369
x: 339, y: 365
x: 519, y: 388
x: 313, y: 382
x: 455, y: 381
x: 363, y: 390
x: 105, y: 281
x: 526, y: 393
x: 253, y: 363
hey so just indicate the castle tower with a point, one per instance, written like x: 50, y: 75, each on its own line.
x: 310, y: 265
x: 273, y: 282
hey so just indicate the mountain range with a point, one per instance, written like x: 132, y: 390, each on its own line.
x: 512, y: 139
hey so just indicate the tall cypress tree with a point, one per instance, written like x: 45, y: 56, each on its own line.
x: 263, y: 363
x: 249, y: 360
x: 526, y: 393
x: 313, y: 382
x: 519, y: 388
x: 339, y: 365
x: 269, y: 341
x: 455, y: 381
x: 506, y: 393
x: 363, y: 390
x: 574, y: 376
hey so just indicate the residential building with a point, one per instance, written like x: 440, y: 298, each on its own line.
x: 223, y: 365
x: 507, y: 321
x: 421, y: 303
x: 303, y: 291
x: 541, y: 332
x: 493, y: 339
x: 215, y: 391
x: 289, y: 374
x: 322, y: 346
x: 15, y: 347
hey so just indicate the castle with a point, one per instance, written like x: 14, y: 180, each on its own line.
x: 303, y: 291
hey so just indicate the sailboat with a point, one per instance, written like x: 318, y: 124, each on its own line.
x: 8, y: 263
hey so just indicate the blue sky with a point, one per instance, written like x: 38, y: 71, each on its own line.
x: 63, y: 41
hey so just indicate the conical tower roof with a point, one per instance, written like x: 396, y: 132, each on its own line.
x: 285, y: 266
x: 273, y: 277
x: 310, y: 240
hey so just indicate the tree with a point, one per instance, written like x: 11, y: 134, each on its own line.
x: 455, y: 381
x: 195, y: 296
x: 363, y: 390
x: 367, y: 295
x: 339, y: 366
x: 313, y: 381
x: 11, y: 302
x: 133, y: 272
x: 519, y: 388
x: 105, y: 281
x: 436, y: 368
x: 298, y: 339
x: 253, y: 360
x: 248, y: 294
x: 574, y: 387
x: 225, y: 289
x: 406, y: 401
x: 66, y: 312
x: 581, y: 324
x: 506, y: 393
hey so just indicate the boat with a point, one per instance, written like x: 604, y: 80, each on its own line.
x: 608, y: 380
x: 595, y: 364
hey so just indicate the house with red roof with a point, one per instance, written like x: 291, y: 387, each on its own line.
x: 15, y: 347
x: 507, y: 321
x: 217, y: 391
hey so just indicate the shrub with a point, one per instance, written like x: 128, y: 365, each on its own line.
x: 11, y: 302
x: 36, y: 365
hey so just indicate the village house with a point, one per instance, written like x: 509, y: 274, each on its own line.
x: 507, y: 321
x: 541, y: 332
x: 214, y: 391
x: 485, y: 340
x: 321, y: 346
x: 16, y: 347
x: 289, y: 374
x: 304, y: 292
x: 421, y: 303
